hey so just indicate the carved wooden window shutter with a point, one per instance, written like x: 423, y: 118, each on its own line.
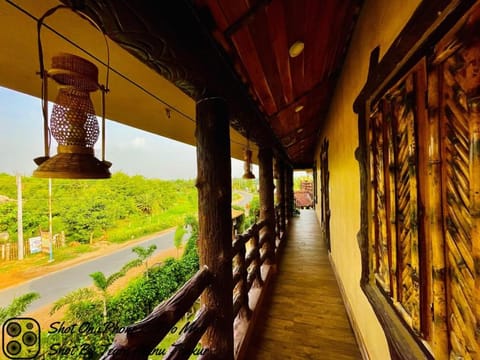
x: 395, y: 198
x: 457, y: 68
x: 422, y: 198
x: 325, y: 193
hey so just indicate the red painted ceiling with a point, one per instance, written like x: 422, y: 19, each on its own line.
x: 256, y: 36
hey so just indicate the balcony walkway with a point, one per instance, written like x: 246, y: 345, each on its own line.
x: 304, y: 315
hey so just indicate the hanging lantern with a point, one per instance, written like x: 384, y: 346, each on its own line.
x: 247, y: 165
x: 73, y: 123
x: 276, y: 169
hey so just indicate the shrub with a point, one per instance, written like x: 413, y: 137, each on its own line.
x: 128, y: 306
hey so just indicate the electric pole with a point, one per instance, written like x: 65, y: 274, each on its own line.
x: 50, y: 230
x: 20, y: 217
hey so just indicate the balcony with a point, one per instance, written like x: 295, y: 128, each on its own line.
x: 304, y: 316
x: 292, y: 309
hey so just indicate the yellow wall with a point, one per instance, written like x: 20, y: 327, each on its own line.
x: 379, y: 24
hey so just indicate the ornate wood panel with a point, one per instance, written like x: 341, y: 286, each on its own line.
x: 459, y: 102
x: 325, y: 191
x: 395, y: 230
x: 378, y: 196
x: 401, y: 101
x: 428, y: 192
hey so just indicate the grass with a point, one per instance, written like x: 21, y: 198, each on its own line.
x: 140, y: 226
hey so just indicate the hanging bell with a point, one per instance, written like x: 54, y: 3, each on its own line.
x: 73, y: 122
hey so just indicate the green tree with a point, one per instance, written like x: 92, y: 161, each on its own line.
x: 17, y: 306
x: 102, y: 282
x: 143, y: 254
x: 128, y: 305
x: 178, y: 237
x: 124, y: 207
x: 73, y: 298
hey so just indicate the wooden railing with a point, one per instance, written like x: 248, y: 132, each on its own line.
x: 278, y: 226
x: 247, y: 261
x: 138, y: 340
x: 248, y: 258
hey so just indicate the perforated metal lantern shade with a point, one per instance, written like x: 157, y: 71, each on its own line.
x: 247, y: 165
x: 73, y: 123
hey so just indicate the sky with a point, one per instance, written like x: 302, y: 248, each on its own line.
x: 132, y: 151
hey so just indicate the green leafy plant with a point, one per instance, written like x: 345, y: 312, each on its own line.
x: 102, y: 283
x: 178, y: 237
x: 143, y: 254
x: 95, y: 209
x: 127, y: 306
x: 17, y: 306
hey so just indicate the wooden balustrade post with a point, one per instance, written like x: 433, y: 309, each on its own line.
x: 243, y: 282
x: 215, y: 223
x: 267, y: 210
x: 257, y: 261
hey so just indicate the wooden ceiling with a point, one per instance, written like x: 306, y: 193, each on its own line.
x: 256, y: 37
x: 238, y: 49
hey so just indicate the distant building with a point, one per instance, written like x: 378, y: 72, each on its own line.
x: 304, y: 196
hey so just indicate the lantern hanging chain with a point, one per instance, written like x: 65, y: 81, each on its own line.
x: 43, y: 75
x: 103, y: 88
x: 46, y: 130
x: 44, y: 92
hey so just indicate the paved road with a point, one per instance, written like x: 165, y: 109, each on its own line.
x: 246, y: 198
x: 53, y: 286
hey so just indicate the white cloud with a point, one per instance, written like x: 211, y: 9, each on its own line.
x: 138, y: 142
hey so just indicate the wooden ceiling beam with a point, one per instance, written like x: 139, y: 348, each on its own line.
x: 276, y: 15
x: 246, y: 50
x: 318, y: 32
x: 325, y: 82
x: 246, y: 18
x: 295, y: 25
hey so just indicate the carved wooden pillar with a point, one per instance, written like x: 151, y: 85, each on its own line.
x: 281, y: 198
x: 285, y: 192
x: 289, y: 190
x: 215, y: 223
x: 267, y: 210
